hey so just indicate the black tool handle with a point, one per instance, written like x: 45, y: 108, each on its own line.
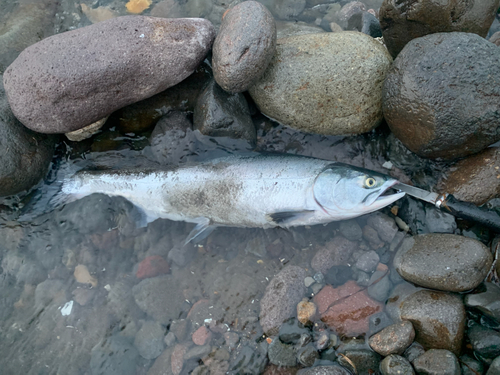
x: 469, y: 211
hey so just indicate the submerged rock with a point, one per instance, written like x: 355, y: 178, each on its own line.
x: 437, y: 361
x: 281, y: 297
x: 244, y: 46
x: 139, y: 56
x: 441, y: 95
x: 405, y: 20
x: 300, y: 88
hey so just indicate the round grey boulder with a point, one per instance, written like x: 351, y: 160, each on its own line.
x: 327, y: 83
x: 441, y: 95
x: 73, y: 79
x: 405, y: 20
x: 25, y: 155
x: 443, y: 261
x: 244, y: 46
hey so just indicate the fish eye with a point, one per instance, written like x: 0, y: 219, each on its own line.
x: 370, y: 182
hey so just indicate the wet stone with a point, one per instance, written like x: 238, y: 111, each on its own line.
x: 291, y: 331
x: 393, y: 339
x: 378, y: 322
x: 281, y: 297
x: 149, y: 340
x: 351, y: 230
x: 338, y: 275
x: 380, y: 286
x: 368, y: 261
x: 485, y: 299
x: 449, y: 113
x: 404, y: 21
x: 307, y: 355
x: 221, y: 114
x: 384, y: 225
x: 26, y: 155
x: 157, y: 298
x: 244, y: 46
x: 335, y: 253
x: 113, y: 356
x: 365, y: 23
x: 249, y: 360
x: 285, y: 29
x: 346, y: 309
x: 437, y: 362
x: 180, y: 328
x: 396, y: 365
x: 438, y: 319
x: 202, y: 336
x: 482, y: 187
x: 494, y: 367
x: 471, y: 366
x: 282, y: 354
x: 414, y: 351
x: 485, y: 342
x: 332, y: 369
x: 443, y: 261
x: 366, y: 361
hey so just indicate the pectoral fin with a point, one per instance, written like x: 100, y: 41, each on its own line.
x: 201, y: 231
x: 283, y: 218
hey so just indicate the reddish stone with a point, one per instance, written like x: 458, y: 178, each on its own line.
x: 202, y: 336
x: 152, y: 266
x: 346, y: 309
x: 177, y: 358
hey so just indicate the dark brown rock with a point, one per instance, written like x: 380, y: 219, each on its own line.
x: 475, y: 179
x: 443, y: 261
x: 72, y: 79
x: 438, y: 319
x: 244, y: 46
x: 440, y: 97
x: 405, y: 20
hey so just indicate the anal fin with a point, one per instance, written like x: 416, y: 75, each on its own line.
x: 283, y: 218
x: 201, y: 231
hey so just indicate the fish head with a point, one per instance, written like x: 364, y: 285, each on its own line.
x: 344, y: 191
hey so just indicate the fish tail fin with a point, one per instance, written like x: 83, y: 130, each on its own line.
x: 50, y: 194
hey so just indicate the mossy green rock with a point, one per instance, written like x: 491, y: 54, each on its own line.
x: 327, y: 83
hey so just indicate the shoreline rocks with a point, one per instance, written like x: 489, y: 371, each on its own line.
x: 441, y: 95
x: 125, y: 59
x: 301, y: 88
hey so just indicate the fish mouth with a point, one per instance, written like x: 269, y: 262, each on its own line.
x: 385, y: 198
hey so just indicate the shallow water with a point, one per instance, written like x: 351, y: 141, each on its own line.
x: 50, y: 323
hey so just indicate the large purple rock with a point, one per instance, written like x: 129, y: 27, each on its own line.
x: 70, y: 80
x: 244, y: 46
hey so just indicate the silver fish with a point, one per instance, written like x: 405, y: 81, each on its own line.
x: 243, y: 191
